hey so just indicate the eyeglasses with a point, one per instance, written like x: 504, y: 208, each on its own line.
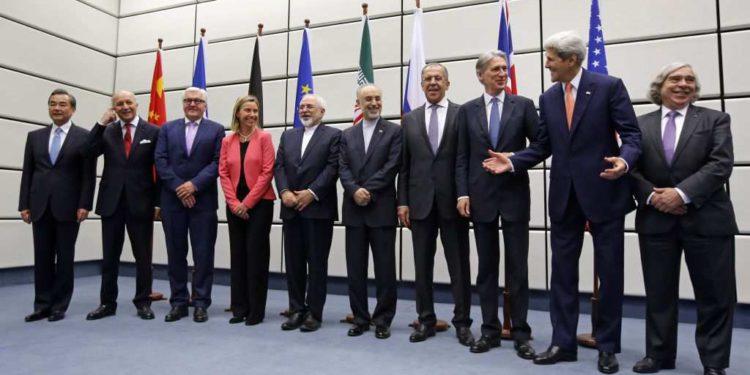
x: 193, y: 101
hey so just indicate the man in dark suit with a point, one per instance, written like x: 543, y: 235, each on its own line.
x: 427, y: 199
x: 683, y: 205
x: 127, y: 197
x: 187, y: 156
x: 582, y: 115
x: 501, y: 122
x: 57, y: 192
x: 306, y: 171
x: 370, y: 153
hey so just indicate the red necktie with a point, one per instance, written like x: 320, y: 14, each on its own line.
x: 128, y: 140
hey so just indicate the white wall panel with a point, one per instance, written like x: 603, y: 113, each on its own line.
x: 10, y: 182
x: 464, y: 83
x: 328, y: 11
x: 128, y: 7
x: 139, y: 33
x: 742, y: 258
x: 537, y: 260
x: 12, y: 142
x: 536, y: 185
x: 19, y: 244
x: 230, y: 61
x: 77, y: 24
x: 739, y: 110
x: 529, y: 71
x: 110, y: 6
x: 337, y: 256
x: 735, y: 60
x: 738, y: 182
x: 734, y: 14
x: 234, y: 18
x: 135, y: 72
x: 32, y: 51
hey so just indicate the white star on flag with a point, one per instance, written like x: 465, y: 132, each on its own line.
x: 599, y: 28
x: 597, y: 51
x: 598, y: 39
x: 595, y: 63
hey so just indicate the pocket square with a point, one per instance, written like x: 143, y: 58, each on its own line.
x: 144, y: 141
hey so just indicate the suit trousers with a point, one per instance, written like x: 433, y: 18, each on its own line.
x: 141, y: 232
x: 382, y: 240
x: 516, y: 242
x: 307, y: 243
x: 567, y: 241
x: 54, y: 251
x: 200, y: 226
x: 710, y: 261
x: 454, y: 235
x: 250, y: 254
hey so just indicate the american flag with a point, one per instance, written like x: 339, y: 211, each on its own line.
x: 597, y: 57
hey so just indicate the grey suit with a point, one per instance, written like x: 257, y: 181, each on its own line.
x: 700, y: 168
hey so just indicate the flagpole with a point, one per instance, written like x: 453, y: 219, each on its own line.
x: 155, y: 296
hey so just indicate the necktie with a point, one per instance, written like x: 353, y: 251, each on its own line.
x: 127, y: 140
x: 669, y: 137
x: 432, y: 129
x: 190, y: 136
x: 569, y: 103
x: 494, y: 122
x: 54, y: 150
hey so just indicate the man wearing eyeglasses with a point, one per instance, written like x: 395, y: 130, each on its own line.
x: 186, y: 157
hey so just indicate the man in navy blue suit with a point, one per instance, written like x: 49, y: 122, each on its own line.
x: 187, y: 157
x: 581, y: 116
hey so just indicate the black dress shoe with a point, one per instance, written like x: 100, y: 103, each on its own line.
x: 524, y: 349
x: 464, y: 335
x: 649, y: 365
x: 145, y: 312
x: 293, y: 322
x: 200, y: 314
x: 36, y: 315
x: 310, y: 324
x: 102, y: 311
x: 236, y: 319
x: 555, y: 354
x: 357, y: 329
x: 253, y: 322
x: 421, y: 333
x: 56, y: 315
x: 484, y: 344
x: 714, y: 371
x: 382, y: 332
x: 608, y: 363
x: 176, y: 313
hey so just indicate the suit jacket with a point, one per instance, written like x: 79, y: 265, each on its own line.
x: 316, y: 170
x: 506, y: 194
x: 602, y: 111
x: 132, y: 176
x: 62, y: 188
x: 426, y: 176
x: 375, y: 171
x: 174, y: 167
x: 701, y: 166
x: 258, y: 168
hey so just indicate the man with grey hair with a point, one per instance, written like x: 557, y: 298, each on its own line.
x: 306, y: 171
x: 370, y: 153
x: 187, y: 157
x: 582, y: 115
x: 683, y: 205
x: 502, y: 122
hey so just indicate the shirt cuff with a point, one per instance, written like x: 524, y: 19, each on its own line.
x: 462, y: 197
x: 648, y: 199
x: 684, y: 197
x: 627, y: 166
x: 313, y: 194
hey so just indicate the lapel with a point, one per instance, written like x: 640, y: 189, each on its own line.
x: 65, y: 147
x: 586, y: 89
x: 377, y: 135
x: 422, y: 126
x: 118, y: 140
x: 481, y: 116
x: 450, y: 120
x: 201, y: 130
x: 181, y: 126
x: 315, y: 138
x: 692, y: 119
x: 137, y: 136
x: 44, y: 144
x: 652, y: 132
x: 508, y: 106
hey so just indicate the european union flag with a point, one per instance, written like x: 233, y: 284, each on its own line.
x: 596, y: 56
x: 304, y: 77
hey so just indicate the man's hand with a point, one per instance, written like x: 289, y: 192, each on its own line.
x: 157, y: 213
x: 241, y: 211
x: 618, y: 168
x: 82, y: 214
x: 463, y: 207
x: 288, y: 199
x: 497, y: 163
x: 185, y: 190
x: 304, y: 198
x: 669, y: 201
x: 188, y: 202
x: 362, y: 197
x: 403, y: 216
x: 107, y: 117
x: 26, y: 216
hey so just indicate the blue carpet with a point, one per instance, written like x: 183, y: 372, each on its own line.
x: 124, y: 344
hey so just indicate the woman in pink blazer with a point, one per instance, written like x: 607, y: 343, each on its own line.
x: 245, y: 170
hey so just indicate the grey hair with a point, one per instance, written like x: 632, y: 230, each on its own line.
x: 71, y: 98
x: 436, y: 65
x: 318, y: 100
x: 195, y: 89
x: 484, y: 59
x: 366, y: 85
x: 654, y: 89
x: 566, y: 44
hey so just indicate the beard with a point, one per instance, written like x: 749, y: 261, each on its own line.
x: 307, y: 122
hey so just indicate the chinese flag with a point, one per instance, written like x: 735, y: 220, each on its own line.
x: 157, y: 109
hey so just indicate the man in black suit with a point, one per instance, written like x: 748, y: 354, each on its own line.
x: 683, y: 206
x: 306, y: 171
x: 370, y: 153
x: 127, y: 197
x: 500, y: 122
x: 427, y: 200
x: 57, y: 192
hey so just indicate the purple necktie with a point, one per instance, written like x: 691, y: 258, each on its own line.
x: 668, y: 138
x: 432, y: 129
x: 192, y: 128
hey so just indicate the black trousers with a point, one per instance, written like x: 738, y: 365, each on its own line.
x: 54, y: 251
x: 382, y: 240
x: 710, y: 261
x: 307, y: 245
x: 250, y: 252
x: 454, y: 235
x: 141, y: 233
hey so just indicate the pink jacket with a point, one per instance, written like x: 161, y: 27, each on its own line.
x: 258, y: 166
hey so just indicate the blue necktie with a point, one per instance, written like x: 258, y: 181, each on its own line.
x: 54, y: 150
x: 494, y: 122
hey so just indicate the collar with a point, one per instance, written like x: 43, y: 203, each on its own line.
x: 443, y: 103
x: 487, y: 98
x: 198, y: 123
x: 682, y: 111
x: 576, y: 81
x: 65, y: 127
x: 370, y: 123
x: 134, y: 123
x: 311, y: 128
